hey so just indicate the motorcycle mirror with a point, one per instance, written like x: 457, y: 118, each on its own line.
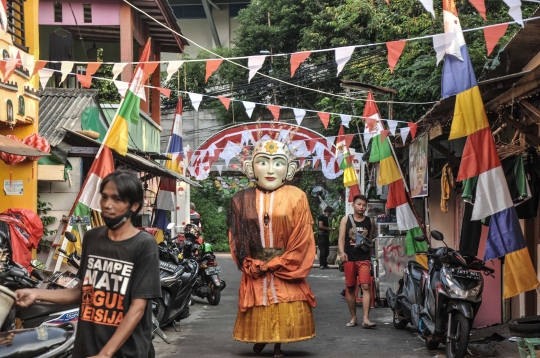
x: 38, y: 265
x: 170, y: 226
x: 420, y: 238
x: 70, y: 237
x: 437, y: 235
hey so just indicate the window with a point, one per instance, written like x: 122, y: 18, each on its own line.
x: 87, y: 11
x: 57, y: 12
x: 189, y: 12
x: 234, y: 9
x: 15, y: 14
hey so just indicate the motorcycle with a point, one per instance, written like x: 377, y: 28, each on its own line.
x: 442, y: 301
x: 208, y: 284
x: 178, y: 277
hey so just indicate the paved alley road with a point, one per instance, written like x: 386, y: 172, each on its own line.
x: 208, y: 331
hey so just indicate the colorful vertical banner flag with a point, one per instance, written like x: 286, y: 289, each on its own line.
x: 129, y: 108
x: 175, y: 149
x: 101, y: 167
x: 480, y: 160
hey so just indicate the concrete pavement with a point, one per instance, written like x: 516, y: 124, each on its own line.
x: 208, y: 331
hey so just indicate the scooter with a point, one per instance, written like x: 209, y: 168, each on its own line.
x: 178, y: 277
x: 208, y: 284
x: 443, y: 301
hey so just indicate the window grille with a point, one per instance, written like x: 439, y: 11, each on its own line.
x: 15, y: 15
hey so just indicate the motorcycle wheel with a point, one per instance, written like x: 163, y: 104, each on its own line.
x: 159, y: 310
x: 431, y: 345
x: 399, y: 323
x: 461, y: 328
x: 215, y: 297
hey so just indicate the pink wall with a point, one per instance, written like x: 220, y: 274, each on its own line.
x: 103, y: 13
x: 491, y: 309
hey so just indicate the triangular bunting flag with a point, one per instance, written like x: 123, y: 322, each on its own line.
x: 122, y: 87
x: 274, y: 110
x: 40, y: 64
x: 226, y: 101
x: 196, y: 100
x: 384, y: 134
x: 172, y: 67
x: 164, y: 91
x: 299, y: 114
x: 211, y: 67
x: 297, y: 59
x: 367, y: 138
x: 493, y: 34
x: 219, y: 168
x: 325, y: 118
x: 480, y: 7
x: 11, y: 64
x: 117, y: 69
x: 428, y: 5
x: 249, y: 106
x: 345, y: 119
x: 404, y: 133
x: 413, y: 127
x: 395, y: 48
x: 392, y: 126
x: 254, y: 64
x: 330, y: 141
x: 85, y: 81
x: 92, y: 68
x: 515, y: 10
x: 343, y: 55
x: 44, y: 75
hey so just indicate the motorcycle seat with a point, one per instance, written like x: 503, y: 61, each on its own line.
x: 25, y: 343
x: 41, y: 309
x: 415, y: 269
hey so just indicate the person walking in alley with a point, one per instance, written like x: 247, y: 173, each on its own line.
x: 356, y: 259
x: 119, y: 277
x: 323, y: 237
x: 271, y: 239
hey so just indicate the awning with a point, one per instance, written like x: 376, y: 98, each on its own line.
x: 138, y: 161
x: 10, y: 146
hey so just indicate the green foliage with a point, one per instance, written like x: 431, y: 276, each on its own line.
x: 108, y: 93
x: 43, y: 209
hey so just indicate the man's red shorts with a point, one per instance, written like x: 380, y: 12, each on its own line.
x: 357, y: 269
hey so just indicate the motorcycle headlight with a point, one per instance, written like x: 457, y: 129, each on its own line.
x: 456, y: 291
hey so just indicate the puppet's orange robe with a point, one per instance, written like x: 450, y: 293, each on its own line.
x: 276, y: 307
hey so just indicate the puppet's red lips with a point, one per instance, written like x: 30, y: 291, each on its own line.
x: 270, y: 178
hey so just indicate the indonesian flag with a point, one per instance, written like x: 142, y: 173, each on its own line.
x: 102, y: 166
x: 129, y: 108
x: 166, y: 193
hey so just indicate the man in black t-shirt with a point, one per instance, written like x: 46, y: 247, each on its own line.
x: 323, y: 237
x: 119, y: 277
x: 356, y: 261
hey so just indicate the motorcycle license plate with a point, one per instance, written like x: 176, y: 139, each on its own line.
x: 466, y: 274
x: 213, y: 270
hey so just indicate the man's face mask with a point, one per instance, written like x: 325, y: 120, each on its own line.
x: 118, y: 221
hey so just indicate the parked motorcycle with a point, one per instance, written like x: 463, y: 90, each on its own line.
x: 178, y: 277
x: 208, y: 284
x: 442, y: 301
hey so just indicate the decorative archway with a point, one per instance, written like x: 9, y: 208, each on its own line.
x: 231, y: 143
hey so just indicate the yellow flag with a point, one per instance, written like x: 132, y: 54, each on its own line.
x: 519, y: 274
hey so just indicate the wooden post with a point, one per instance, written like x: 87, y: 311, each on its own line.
x: 126, y: 40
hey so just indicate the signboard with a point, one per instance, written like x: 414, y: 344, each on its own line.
x: 418, y: 173
x: 392, y: 261
x: 13, y: 187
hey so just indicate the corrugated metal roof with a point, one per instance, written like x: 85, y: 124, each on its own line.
x: 62, y: 108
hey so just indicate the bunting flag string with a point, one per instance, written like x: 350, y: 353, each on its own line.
x: 196, y: 99
x: 447, y: 42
